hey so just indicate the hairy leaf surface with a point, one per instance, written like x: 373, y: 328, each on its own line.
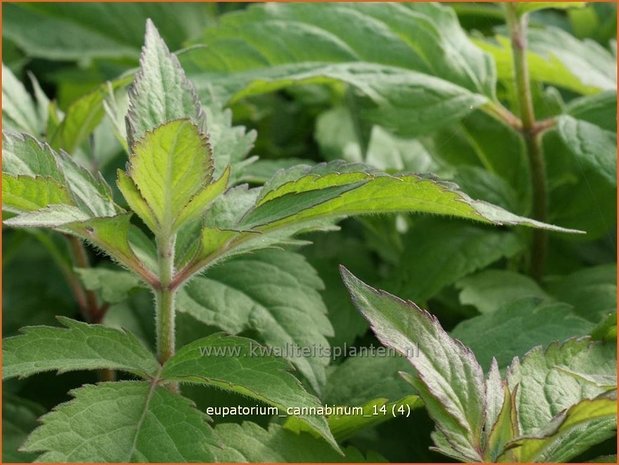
x: 79, y: 346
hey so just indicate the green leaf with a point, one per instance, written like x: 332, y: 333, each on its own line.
x: 244, y: 366
x: 571, y: 432
x: 598, y: 109
x: 79, y: 346
x: 104, y: 31
x: 126, y: 421
x: 19, y: 418
x: 370, y: 382
x: 464, y: 248
x: 160, y: 92
x: 25, y: 194
x: 248, y: 442
x: 606, y: 330
x: 333, y: 189
x: 372, y: 414
x: 81, y: 119
x: 447, y: 377
x: 489, y: 290
x: 24, y: 157
x: 283, y: 306
x: 23, y: 307
x: 592, y: 291
x: 19, y: 111
x: 528, y: 7
x: 113, y: 285
x: 171, y: 170
x: 516, y: 326
x: 592, y: 146
x: 326, y: 253
x: 570, y: 369
x: 421, y: 37
x: 555, y: 57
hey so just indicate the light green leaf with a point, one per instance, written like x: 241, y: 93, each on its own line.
x: 244, y: 366
x: 370, y: 382
x: 126, y: 421
x: 489, y: 290
x: 592, y: 146
x: 170, y: 167
x: 555, y: 57
x: 372, y: 414
x: 160, y: 92
x: 19, y: 111
x: 195, y: 208
x: 516, y: 326
x: 248, y: 442
x: 26, y: 194
x: 464, y: 248
x: 113, y: 285
x: 558, y: 377
x: 79, y: 346
x: 52, y: 216
x: 283, y: 306
x: 23, y: 156
x: 82, y: 118
x: 571, y: 432
x: 606, y: 330
x: 447, y: 377
x: 19, y: 418
x: 336, y: 189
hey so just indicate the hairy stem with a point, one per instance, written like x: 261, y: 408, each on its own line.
x: 518, y: 31
x: 165, y: 296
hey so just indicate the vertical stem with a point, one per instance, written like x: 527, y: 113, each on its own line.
x: 87, y: 300
x: 165, y: 299
x: 518, y: 30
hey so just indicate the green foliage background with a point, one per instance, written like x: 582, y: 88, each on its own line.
x: 298, y: 79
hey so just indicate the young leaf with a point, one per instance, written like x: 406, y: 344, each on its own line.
x: 79, y: 346
x: 26, y: 194
x: 283, y: 306
x: 160, y: 91
x: 170, y: 170
x: 571, y: 432
x: 23, y: 157
x: 18, y: 109
x: 127, y: 421
x: 244, y: 366
x: 572, y: 367
x: 447, y: 377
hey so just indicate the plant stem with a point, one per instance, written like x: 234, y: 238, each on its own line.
x: 518, y: 31
x: 87, y: 300
x: 165, y: 296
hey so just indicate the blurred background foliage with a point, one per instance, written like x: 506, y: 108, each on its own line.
x: 460, y: 271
